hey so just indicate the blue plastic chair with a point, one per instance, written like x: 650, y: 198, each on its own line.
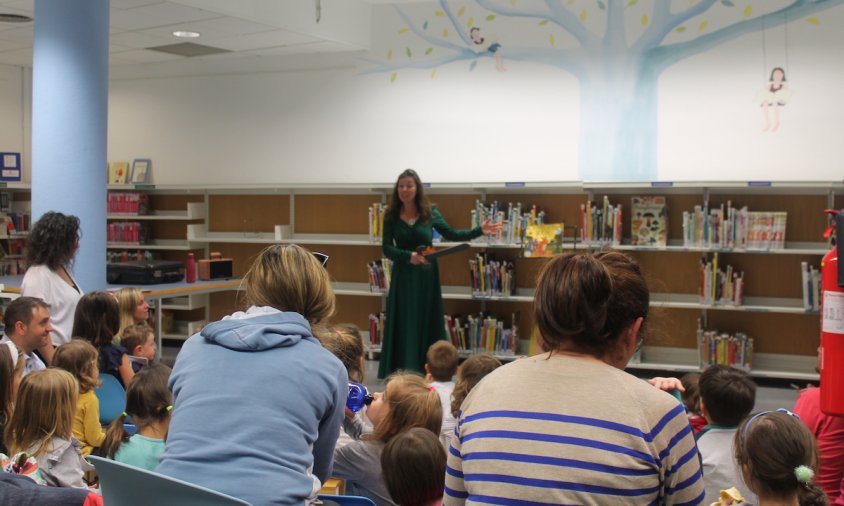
x: 125, y: 485
x: 112, y: 398
x: 343, y: 500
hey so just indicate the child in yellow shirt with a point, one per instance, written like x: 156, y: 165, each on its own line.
x: 79, y: 358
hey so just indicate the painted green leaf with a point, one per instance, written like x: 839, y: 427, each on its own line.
x: 703, y: 24
x: 551, y: 39
x: 433, y: 73
x: 514, y: 2
x: 584, y: 15
x: 428, y: 51
x: 470, y: 22
x: 407, y: 52
x: 748, y: 11
x: 393, y: 77
x: 644, y: 20
x: 403, y: 31
x: 439, y: 14
x: 490, y: 17
x: 425, y: 25
x: 602, y: 5
x: 543, y: 22
x: 680, y: 29
x: 813, y: 20
x: 631, y: 3
x: 728, y: 3
x: 473, y: 65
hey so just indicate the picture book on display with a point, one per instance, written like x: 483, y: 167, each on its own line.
x: 649, y: 221
x: 543, y: 240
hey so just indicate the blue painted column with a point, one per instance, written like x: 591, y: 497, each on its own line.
x: 69, y: 123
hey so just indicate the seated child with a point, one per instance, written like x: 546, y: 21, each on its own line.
x: 47, y: 434
x: 414, y: 468
x: 79, y: 358
x: 139, y: 341
x: 148, y: 403
x: 778, y: 457
x: 440, y: 366
x: 727, y: 396
x: 470, y: 373
x: 97, y: 320
x: 407, y: 402
x: 691, y: 400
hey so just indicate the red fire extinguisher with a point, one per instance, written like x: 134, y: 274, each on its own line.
x: 831, y: 351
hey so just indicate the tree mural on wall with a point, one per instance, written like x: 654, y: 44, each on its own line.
x: 617, y: 73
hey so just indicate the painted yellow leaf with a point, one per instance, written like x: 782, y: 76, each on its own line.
x: 631, y: 3
x: 439, y: 13
x: 393, y: 77
x: 445, y: 32
x: 680, y: 29
x: 702, y: 26
x: 514, y: 2
x: 389, y: 55
x: 461, y: 11
x: 644, y: 20
x: 429, y: 50
x: 433, y: 73
x: 403, y: 31
x: 813, y: 20
x: 551, y: 39
x: 584, y: 15
x: 470, y: 22
x: 490, y: 17
x: 543, y: 22
x: 748, y: 11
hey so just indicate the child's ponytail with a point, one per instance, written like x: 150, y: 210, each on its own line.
x: 115, y: 436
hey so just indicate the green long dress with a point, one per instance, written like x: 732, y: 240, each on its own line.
x: 414, y: 304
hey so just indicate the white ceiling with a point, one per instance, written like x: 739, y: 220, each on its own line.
x: 247, y: 28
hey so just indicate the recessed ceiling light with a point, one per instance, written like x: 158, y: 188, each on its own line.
x: 6, y: 17
x: 186, y: 35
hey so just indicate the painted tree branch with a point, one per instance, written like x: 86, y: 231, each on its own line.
x: 464, y: 55
x: 425, y: 35
x: 564, y: 19
x: 664, y: 22
x: 457, y: 28
x: 616, y: 33
x: 665, y: 56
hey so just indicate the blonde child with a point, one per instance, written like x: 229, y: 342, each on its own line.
x: 778, y: 457
x: 414, y: 468
x: 79, y: 358
x: 11, y: 370
x: 97, y: 320
x: 139, y: 341
x: 132, y: 306
x: 345, y: 342
x: 148, y: 403
x: 407, y: 402
x: 42, y: 426
x: 470, y: 373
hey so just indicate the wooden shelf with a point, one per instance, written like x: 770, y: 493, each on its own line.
x: 160, y: 244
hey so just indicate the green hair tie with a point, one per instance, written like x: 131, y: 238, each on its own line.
x: 170, y: 408
x: 804, y: 474
x: 125, y: 415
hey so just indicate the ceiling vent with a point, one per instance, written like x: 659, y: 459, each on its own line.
x: 188, y: 49
x: 5, y: 17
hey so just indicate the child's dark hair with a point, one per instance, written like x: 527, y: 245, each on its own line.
x: 778, y: 456
x: 8, y: 368
x: 345, y: 342
x: 442, y: 359
x: 471, y: 372
x: 97, y: 318
x: 148, y: 400
x: 691, y: 396
x: 135, y: 335
x: 413, y: 463
x: 78, y: 357
x: 727, y: 393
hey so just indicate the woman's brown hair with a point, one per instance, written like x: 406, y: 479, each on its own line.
x: 470, y: 373
x: 410, y: 403
x: 584, y: 301
x: 78, y: 357
x: 97, y: 318
x: 45, y: 407
x: 148, y: 400
x: 423, y: 205
x: 413, y: 464
x: 775, y: 452
x: 289, y: 278
x: 345, y: 342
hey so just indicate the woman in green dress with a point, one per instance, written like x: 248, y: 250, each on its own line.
x: 414, y: 305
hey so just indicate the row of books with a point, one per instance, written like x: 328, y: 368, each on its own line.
x: 729, y: 227
x: 131, y: 256
x: 720, y: 286
x: 492, y: 278
x: 380, y: 272
x: 600, y: 224
x: 127, y: 203
x: 376, y: 221
x: 470, y: 334
x: 15, y: 223
x: 132, y: 232
x: 721, y: 348
x: 12, y: 266
x: 514, y: 220
x: 13, y: 247
x: 811, y: 277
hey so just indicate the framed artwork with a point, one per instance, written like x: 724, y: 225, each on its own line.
x: 141, y: 168
x: 10, y: 166
x: 118, y: 172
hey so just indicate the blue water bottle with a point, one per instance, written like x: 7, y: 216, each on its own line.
x: 358, y: 397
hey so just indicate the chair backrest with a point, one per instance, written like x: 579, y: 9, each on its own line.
x: 343, y: 500
x: 125, y: 485
x: 112, y: 398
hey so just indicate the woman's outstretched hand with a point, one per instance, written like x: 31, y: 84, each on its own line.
x: 489, y: 228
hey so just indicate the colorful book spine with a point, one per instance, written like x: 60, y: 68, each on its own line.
x: 600, y: 225
x: 376, y: 221
x: 376, y: 329
x: 492, y: 278
x: 720, y: 286
x: 721, y: 348
x: 380, y: 272
x: 482, y: 334
x: 513, y: 221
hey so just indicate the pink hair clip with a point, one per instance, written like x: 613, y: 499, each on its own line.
x: 431, y: 388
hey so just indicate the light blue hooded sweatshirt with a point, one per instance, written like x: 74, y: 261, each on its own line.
x: 258, y: 404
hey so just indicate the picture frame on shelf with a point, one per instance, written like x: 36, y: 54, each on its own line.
x: 118, y: 172
x: 10, y: 166
x: 141, y: 168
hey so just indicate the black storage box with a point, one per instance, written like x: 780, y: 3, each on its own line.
x: 145, y: 273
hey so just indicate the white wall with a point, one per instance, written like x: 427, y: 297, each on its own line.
x: 11, y: 108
